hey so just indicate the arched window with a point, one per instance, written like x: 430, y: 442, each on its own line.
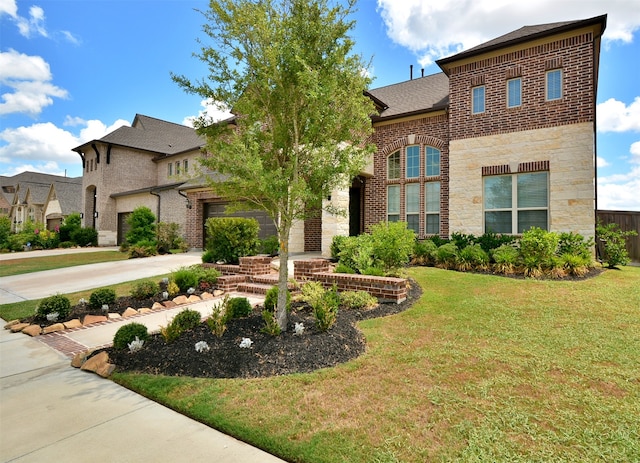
x: 393, y: 166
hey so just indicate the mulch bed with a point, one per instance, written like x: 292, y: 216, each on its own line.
x: 268, y: 356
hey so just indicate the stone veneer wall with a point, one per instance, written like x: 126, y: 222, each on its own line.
x: 569, y: 149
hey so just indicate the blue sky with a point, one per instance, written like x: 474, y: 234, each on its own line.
x: 74, y: 70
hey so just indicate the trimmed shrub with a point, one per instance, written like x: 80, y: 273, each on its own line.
x: 173, y: 289
x: 187, y: 319
x: 376, y: 271
x: 128, y: 333
x: 142, y: 223
x: 238, y: 307
x: 472, y: 257
x: 271, y: 299
x: 446, y: 256
x: 423, y: 252
x: 270, y: 245
x: 145, y: 289
x: 66, y: 244
x: 85, y: 236
x: 357, y: 252
x: 71, y: 223
x: 490, y: 241
x: 342, y: 268
x: 506, y: 259
x: 537, y: 247
x: 101, y: 297
x: 207, y: 257
x: 144, y: 248
x: 357, y: 300
x: 57, y: 303
x: 230, y: 238
x: 462, y: 240
x: 185, y: 278
x: 312, y: 292
x: 574, y: 243
x: 393, y: 245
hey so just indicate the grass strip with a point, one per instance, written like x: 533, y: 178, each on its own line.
x: 20, y: 266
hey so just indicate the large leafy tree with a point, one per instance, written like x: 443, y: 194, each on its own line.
x: 288, y: 71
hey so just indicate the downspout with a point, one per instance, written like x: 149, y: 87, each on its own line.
x: 158, y: 207
x: 181, y: 193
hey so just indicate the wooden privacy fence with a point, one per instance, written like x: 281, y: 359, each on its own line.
x: 626, y: 220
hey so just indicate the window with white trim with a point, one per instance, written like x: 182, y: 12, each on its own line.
x: 393, y: 166
x: 432, y: 208
x: 393, y: 203
x: 412, y: 161
x: 432, y: 161
x: 477, y: 97
x: 178, y: 168
x: 169, y: 169
x: 554, y: 85
x: 514, y: 93
x: 185, y: 166
x: 412, y: 206
x: 517, y: 202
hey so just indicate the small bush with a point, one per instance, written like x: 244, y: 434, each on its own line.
x: 506, y: 259
x: 472, y: 257
x: 85, y: 236
x: 57, y: 303
x: 170, y: 333
x: 230, y: 238
x: 614, y: 244
x: 357, y: 252
x: 576, y: 264
x: 168, y: 237
x: 142, y: 226
x: 101, y: 297
x: 144, y: 248
x: 173, y: 289
x: 357, y: 300
x: 239, y: 307
x: 187, y: 319
x: 71, y: 223
x: 128, y: 333
x: 537, y: 247
x: 207, y: 257
x: 326, y: 309
x: 342, y: 268
x: 446, y: 256
x: 336, y: 246
x: 393, y: 245
x: 66, y: 244
x: 462, y: 240
x: 271, y: 326
x: 376, y: 271
x: 271, y: 299
x: 312, y: 292
x: 145, y: 289
x: 423, y: 253
x: 270, y: 245
x: 220, y: 313
x: 185, y: 278
x: 490, y: 241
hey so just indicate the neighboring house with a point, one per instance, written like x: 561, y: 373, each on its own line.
x: 41, y: 198
x: 502, y: 140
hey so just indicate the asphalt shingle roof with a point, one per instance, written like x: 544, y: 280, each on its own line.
x: 155, y: 135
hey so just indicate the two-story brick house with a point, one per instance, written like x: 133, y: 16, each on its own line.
x: 501, y: 140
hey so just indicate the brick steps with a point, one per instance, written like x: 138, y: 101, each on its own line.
x: 254, y: 288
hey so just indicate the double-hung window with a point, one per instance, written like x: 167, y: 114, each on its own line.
x: 412, y: 206
x: 393, y: 203
x: 515, y: 203
x: 432, y: 208
x: 554, y: 85
x: 477, y: 97
x: 514, y: 93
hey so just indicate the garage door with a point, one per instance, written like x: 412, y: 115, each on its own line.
x: 267, y: 228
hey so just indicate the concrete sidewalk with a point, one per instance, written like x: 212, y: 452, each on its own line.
x: 50, y: 411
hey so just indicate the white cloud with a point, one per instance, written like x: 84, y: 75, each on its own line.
x: 212, y: 112
x: 29, y: 79
x: 620, y: 191
x: 615, y: 116
x: 50, y: 167
x: 9, y: 7
x: 45, y: 143
x: 602, y: 162
x: 436, y: 29
x: 34, y: 24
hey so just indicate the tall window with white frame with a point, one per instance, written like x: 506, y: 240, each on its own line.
x: 412, y: 206
x: 170, y: 169
x: 185, y: 166
x: 515, y: 203
x: 393, y: 191
x: 554, y: 85
x: 514, y: 93
x: 477, y: 99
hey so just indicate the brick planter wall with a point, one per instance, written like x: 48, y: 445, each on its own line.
x: 304, y: 269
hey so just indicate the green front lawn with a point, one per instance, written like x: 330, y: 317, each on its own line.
x: 19, y: 265
x: 482, y: 368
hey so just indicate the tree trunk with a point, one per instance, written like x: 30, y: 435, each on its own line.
x: 282, y: 317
